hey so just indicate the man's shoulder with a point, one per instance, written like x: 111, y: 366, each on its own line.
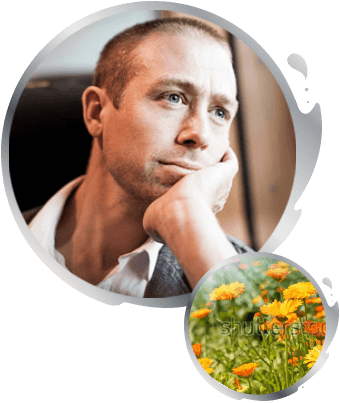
x: 30, y: 214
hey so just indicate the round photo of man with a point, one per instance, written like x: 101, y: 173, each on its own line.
x: 257, y: 325
x: 156, y: 144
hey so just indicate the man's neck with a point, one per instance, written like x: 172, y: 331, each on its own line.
x: 98, y: 225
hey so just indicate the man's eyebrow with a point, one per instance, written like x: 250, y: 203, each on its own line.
x: 188, y: 86
x: 192, y: 89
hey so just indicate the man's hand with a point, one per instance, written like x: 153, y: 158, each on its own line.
x: 210, y: 185
x: 183, y: 218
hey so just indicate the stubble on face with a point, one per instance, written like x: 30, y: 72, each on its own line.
x: 143, y: 134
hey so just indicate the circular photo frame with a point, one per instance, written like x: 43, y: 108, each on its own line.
x: 255, y: 327
x: 306, y: 129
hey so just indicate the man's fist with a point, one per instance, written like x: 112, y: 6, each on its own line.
x: 210, y: 186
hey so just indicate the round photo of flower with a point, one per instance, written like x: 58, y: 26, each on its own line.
x: 257, y: 325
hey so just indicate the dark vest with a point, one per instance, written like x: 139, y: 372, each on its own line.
x: 168, y: 279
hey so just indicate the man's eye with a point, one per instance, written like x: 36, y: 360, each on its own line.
x: 174, y: 98
x: 220, y: 113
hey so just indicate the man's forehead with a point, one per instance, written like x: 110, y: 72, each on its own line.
x: 160, y: 42
x: 166, y: 55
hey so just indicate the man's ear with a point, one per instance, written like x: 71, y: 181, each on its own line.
x: 93, y: 100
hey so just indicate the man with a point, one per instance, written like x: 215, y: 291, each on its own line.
x: 159, y: 112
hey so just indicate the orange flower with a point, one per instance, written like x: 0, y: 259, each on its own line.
x: 264, y: 285
x: 197, y: 347
x: 317, y: 329
x: 245, y: 370
x: 266, y: 300
x: 294, y: 361
x: 282, y: 336
x: 299, y: 290
x: 268, y: 325
x: 227, y: 291
x: 264, y: 293
x: 206, y: 362
x: 237, y: 385
x: 281, y: 310
x: 257, y: 263
x: 256, y: 300
x: 292, y: 317
x: 243, y: 266
x: 312, y: 356
x: 314, y: 300
x: 201, y: 313
x: 281, y: 288
x: 319, y: 308
x: 258, y: 317
x: 320, y: 315
x: 209, y: 304
x: 278, y: 273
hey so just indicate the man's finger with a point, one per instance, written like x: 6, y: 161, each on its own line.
x: 230, y: 160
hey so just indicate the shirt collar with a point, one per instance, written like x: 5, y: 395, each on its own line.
x: 44, y: 225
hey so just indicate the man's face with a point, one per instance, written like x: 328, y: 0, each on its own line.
x: 174, y: 117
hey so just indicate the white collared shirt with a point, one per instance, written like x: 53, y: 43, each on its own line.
x: 134, y: 270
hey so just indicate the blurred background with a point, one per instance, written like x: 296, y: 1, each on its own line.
x: 49, y: 144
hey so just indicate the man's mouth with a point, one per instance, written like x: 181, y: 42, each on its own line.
x: 185, y: 165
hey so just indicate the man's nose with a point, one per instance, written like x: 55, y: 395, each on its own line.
x: 195, y: 132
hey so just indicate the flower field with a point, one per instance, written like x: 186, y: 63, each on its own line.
x: 257, y: 326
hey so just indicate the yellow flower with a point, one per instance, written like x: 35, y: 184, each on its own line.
x: 257, y: 263
x: 197, y: 347
x: 278, y: 273
x: 283, y: 264
x: 256, y: 300
x: 281, y: 310
x: 243, y: 266
x: 313, y: 355
x: 245, y: 370
x: 299, y: 290
x: 227, y: 291
x: 206, y: 362
x: 201, y: 313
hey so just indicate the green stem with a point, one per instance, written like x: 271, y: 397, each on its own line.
x: 305, y: 304
x: 286, y: 361
x: 251, y: 390
x: 292, y: 355
x: 268, y: 355
x: 280, y: 291
x: 250, y: 345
